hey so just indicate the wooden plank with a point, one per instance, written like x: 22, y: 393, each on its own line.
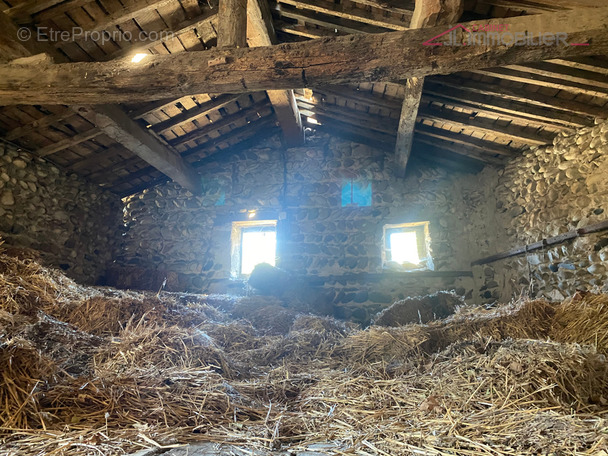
x: 463, y: 121
x: 222, y: 123
x: 260, y: 32
x: 23, y: 12
x: 38, y: 124
x: 96, y: 157
x: 327, y: 21
x: 464, y: 140
x: 166, y: 35
x: 118, y: 126
x: 195, y: 113
x: 427, y: 13
x: 391, y: 56
x: 506, y: 109
x: 565, y: 73
x: 353, y: 14
x: 524, y: 96
x: 68, y: 142
x: 232, y: 24
x: 526, y: 76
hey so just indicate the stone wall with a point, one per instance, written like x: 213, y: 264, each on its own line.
x: 546, y: 192
x: 186, y: 238
x: 74, y: 225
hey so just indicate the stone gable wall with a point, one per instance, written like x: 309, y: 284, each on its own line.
x: 186, y: 238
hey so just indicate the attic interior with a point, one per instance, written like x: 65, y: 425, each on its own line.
x: 303, y: 227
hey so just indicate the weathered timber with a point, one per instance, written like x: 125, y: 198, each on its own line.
x: 194, y: 113
x: 427, y: 13
x: 260, y: 32
x: 392, y: 56
x: 232, y: 24
x: 353, y: 14
x: 68, y: 142
x: 38, y: 124
x: 22, y: 13
x: 595, y: 228
x: 117, y: 125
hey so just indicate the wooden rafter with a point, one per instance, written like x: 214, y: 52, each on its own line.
x: 353, y: 14
x: 114, y: 123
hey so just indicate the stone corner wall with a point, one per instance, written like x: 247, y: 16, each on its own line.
x: 72, y: 224
x: 546, y: 192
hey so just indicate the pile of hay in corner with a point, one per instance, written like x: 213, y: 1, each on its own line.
x: 99, y: 371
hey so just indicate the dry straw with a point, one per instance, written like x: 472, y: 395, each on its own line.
x: 87, y: 371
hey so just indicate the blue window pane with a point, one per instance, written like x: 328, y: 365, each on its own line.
x: 362, y: 193
x: 356, y: 193
x: 347, y: 190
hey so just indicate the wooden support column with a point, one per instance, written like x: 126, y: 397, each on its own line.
x: 427, y: 13
x: 110, y: 120
x: 384, y: 57
x: 232, y: 24
x: 260, y: 32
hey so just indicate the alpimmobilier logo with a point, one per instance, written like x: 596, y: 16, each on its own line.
x: 497, y: 35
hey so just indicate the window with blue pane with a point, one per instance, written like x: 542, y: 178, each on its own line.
x: 356, y: 192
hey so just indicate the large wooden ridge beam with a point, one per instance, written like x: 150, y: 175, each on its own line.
x: 110, y: 120
x: 427, y: 13
x: 260, y: 32
x: 392, y: 56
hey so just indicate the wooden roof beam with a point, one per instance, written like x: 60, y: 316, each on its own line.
x: 482, y: 145
x: 383, y: 57
x: 194, y: 113
x: 114, y: 123
x: 426, y: 14
x: 526, y: 75
x: 260, y: 32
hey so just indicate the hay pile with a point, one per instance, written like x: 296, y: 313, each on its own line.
x: 100, y: 371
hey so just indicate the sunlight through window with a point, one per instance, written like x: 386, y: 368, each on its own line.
x: 257, y: 247
x: 404, y: 247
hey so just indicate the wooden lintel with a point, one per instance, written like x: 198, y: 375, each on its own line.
x: 392, y: 56
x: 260, y: 32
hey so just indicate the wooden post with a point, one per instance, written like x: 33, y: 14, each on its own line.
x: 260, y: 32
x: 232, y: 24
x: 426, y: 14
